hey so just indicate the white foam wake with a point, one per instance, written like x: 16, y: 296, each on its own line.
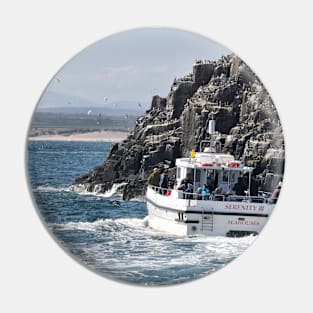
x: 50, y: 189
x: 113, y: 190
x: 102, y: 223
x: 82, y: 190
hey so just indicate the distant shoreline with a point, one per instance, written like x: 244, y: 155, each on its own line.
x: 103, y: 135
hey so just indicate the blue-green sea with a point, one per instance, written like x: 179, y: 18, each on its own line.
x: 115, y: 240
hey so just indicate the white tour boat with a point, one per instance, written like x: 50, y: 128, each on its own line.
x: 191, y: 213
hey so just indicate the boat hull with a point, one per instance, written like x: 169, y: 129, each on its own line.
x: 184, y: 217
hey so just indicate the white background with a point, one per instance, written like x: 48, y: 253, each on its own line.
x: 274, y: 38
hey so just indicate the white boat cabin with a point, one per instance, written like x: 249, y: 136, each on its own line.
x: 214, y: 169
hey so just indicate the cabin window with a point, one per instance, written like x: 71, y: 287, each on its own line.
x: 178, y: 172
x: 198, y: 175
x: 233, y: 177
x: 225, y: 176
x: 212, y: 179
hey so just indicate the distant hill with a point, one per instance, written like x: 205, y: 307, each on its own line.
x: 53, y: 102
x: 48, y: 120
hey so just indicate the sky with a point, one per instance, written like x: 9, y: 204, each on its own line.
x: 127, y: 68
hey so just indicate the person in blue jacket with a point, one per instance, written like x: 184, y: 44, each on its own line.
x: 205, y: 192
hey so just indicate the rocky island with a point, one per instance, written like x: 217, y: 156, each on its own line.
x: 226, y: 90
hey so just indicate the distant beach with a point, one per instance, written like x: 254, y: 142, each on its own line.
x: 103, y: 135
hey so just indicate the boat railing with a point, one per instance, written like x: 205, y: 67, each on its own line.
x: 213, y: 197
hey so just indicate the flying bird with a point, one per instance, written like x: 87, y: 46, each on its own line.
x: 89, y: 112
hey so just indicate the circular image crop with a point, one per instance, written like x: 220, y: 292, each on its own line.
x: 155, y: 156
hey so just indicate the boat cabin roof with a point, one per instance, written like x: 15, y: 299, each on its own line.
x: 213, y: 161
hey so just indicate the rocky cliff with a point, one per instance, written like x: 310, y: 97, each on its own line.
x: 227, y: 90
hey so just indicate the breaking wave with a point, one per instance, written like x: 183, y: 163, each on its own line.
x: 50, y: 189
x: 113, y: 190
x: 101, y: 224
x: 82, y: 190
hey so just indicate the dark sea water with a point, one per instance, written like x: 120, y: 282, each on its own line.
x: 115, y: 241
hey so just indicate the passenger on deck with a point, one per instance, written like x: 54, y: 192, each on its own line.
x: 164, y: 180
x: 154, y: 177
x: 239, y: 187
x: 254, y: 188
x: 274, y: 196
x: 184, y: 183
x: 218, y: 194
x: 210, y: 182
x: 187, y: 186
x: 205, y: 192
x: 170, y: 188
x: 188, y: 191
